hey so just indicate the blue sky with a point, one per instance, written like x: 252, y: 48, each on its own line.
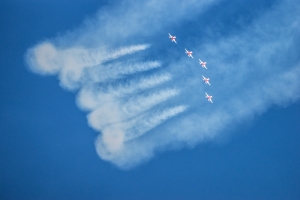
x: 98, y: 103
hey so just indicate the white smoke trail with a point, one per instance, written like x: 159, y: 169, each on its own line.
x: 91, y: 97
x: 125, y: 50
x: 131, y: 110
x: 118, y: 146
x: 84, y: 69
x: 116, y: 109
x: 103, y: 73
x: 138, y: 104
x: 70, y: 63
x: 150, y: 121
x: 119, y: 110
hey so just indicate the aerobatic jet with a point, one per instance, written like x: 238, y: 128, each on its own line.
x: 208, y: 97
x: 172, y: 38
x: 203, y: 64
x: 189, y: 53
x: 206, y: 80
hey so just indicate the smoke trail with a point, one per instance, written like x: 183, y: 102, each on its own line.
x: 150, y: 121
x: 70, y: 63
x: 104, y: 73
x: 131, y: 102
x: 126, y: 50
x: 93, y: 96
x: 138, y: 104
x: 118, y: 146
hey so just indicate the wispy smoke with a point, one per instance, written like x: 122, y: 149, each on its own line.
x: 121, y: 107
x: 140, y: 105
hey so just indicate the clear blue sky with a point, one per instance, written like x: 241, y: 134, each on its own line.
x: 48, y: 148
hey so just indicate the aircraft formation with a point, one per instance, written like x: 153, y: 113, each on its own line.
x: 203, y: 64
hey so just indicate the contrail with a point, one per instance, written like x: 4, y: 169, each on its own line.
x: 150, y: 121
x: 125, y: 50
x: 45, y: 58
x: 138, y: 104
x: 113, y: 109
x: 103, y: 73
x: 93, y: 96
x: 86, y: 57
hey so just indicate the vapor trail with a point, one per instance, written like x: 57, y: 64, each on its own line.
x: 151, y: 120
x: 125, y: 50
x: 141, y: 103
x: 92, y: 96
x: 103, y: 73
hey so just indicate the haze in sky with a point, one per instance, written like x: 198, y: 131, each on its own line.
x: 98, y: 100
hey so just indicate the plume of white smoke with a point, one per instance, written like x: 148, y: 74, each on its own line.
x: 70, y: 63
x: 131, y: 110
x: 121, y: 110
x: 104, y: 73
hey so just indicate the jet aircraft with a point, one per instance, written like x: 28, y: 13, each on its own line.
x: 208, y: 97
x: 172, y: 38
x: 203, y: 64
x: 206, y: 80
x: 189, y: 53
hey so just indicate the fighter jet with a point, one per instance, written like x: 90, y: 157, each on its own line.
x: 189, y: 53
x: 206, y: 80
x: 203, y: 64
x: 208, y: 97
x: 172, y: 38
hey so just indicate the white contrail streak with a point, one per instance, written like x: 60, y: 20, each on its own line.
x: 91, y: 97
x: 70, y: 63
x: 138, y: 104
x: 126, y: 50
x: 103, y: 73
x: 149, y: 121
x: 118, y: 145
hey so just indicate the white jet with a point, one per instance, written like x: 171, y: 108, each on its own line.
x: 189, y: 53
x: 208, y: 97
x: 172, y: 38
x: 203, y: 64
x: 206, y: 80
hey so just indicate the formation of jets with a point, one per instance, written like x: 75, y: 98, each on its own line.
x: 203, y: 64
